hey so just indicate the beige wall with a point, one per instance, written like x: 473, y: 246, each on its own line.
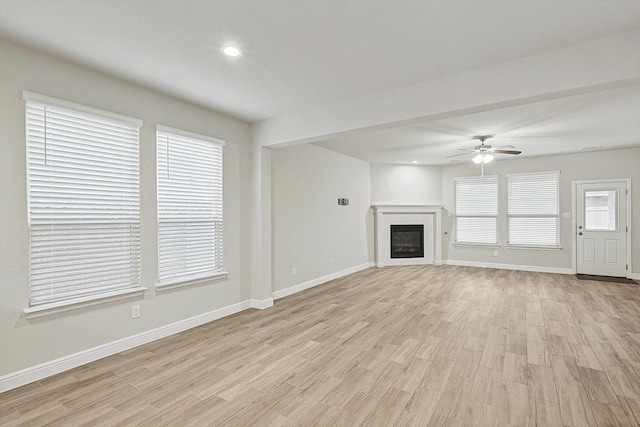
x: 406, y: 184
x: 309, y: 228
x: 574, y: 167
x: 25, y: 343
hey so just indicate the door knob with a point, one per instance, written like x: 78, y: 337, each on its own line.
x: 579, y: 227
x: 579, y: 233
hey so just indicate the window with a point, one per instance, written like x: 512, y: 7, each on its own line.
x: 532, y: 209
x: 83, y: 195
x: 600, y: 210
x: 477, y: 210
x: 189, y: 206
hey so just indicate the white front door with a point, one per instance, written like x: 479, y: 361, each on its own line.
x: 601, y: 220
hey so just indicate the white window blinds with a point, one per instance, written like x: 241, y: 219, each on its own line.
x: 190, y: 239
x: 532, y: 209
x: 83, y: 194
x: 476, y: 210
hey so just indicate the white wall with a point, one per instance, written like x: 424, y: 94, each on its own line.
x: 573, y: 167
x: 25, y: 343
x: 309, y: 227
x: 406, y: 184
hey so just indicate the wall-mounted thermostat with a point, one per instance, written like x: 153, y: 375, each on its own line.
x: 343, y: 202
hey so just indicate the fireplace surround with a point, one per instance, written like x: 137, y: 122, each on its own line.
x: 429, y: 217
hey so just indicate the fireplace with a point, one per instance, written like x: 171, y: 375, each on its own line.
x: 429, y: 217
x: 407, y: 241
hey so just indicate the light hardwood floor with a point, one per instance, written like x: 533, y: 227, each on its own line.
x: 419, y: 345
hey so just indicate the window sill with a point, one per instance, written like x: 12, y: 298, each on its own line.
x: 539, y: 248
x: 64, y: 306
x: 476, y: 245
x: 186, y: 282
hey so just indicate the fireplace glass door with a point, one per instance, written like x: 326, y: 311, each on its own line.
x: 407, y: 241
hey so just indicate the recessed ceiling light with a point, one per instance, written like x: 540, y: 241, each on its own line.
x: 231, y: 51
x: 414, y: 161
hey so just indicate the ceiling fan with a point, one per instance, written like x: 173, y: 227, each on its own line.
x: 484, y: 153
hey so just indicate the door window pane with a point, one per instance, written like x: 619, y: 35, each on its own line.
x: 600, y: 210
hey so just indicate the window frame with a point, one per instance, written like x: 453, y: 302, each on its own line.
x: 494, y: 216
x: 217, y: 270
x: 58, y: 179
x: 555, y: 216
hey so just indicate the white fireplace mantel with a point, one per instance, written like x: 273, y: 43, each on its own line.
x: 429, y: 216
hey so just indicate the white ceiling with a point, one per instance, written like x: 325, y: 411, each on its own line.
x: 601, y: 120
x: 304, y: 55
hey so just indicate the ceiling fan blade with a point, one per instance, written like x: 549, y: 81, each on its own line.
x: 503, y: 146
x: 456, y: 155
x: 507, y: 151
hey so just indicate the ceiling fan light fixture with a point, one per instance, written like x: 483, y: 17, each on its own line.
x: 482, y: 158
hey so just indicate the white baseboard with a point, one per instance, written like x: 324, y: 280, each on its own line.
x: 534, y: 268
x: 315, y: 282
x: 262, y: 304
x: 635, y: 276
x: 44, y: 370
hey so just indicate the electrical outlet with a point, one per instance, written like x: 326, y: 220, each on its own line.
x: 293, y: 271
x: 330, y: 261
x: 135, y: 311
x: 495, y: 253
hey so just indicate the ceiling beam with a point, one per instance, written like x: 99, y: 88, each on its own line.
x: 577, y: 69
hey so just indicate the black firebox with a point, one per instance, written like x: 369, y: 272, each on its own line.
x: 407, y: 241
